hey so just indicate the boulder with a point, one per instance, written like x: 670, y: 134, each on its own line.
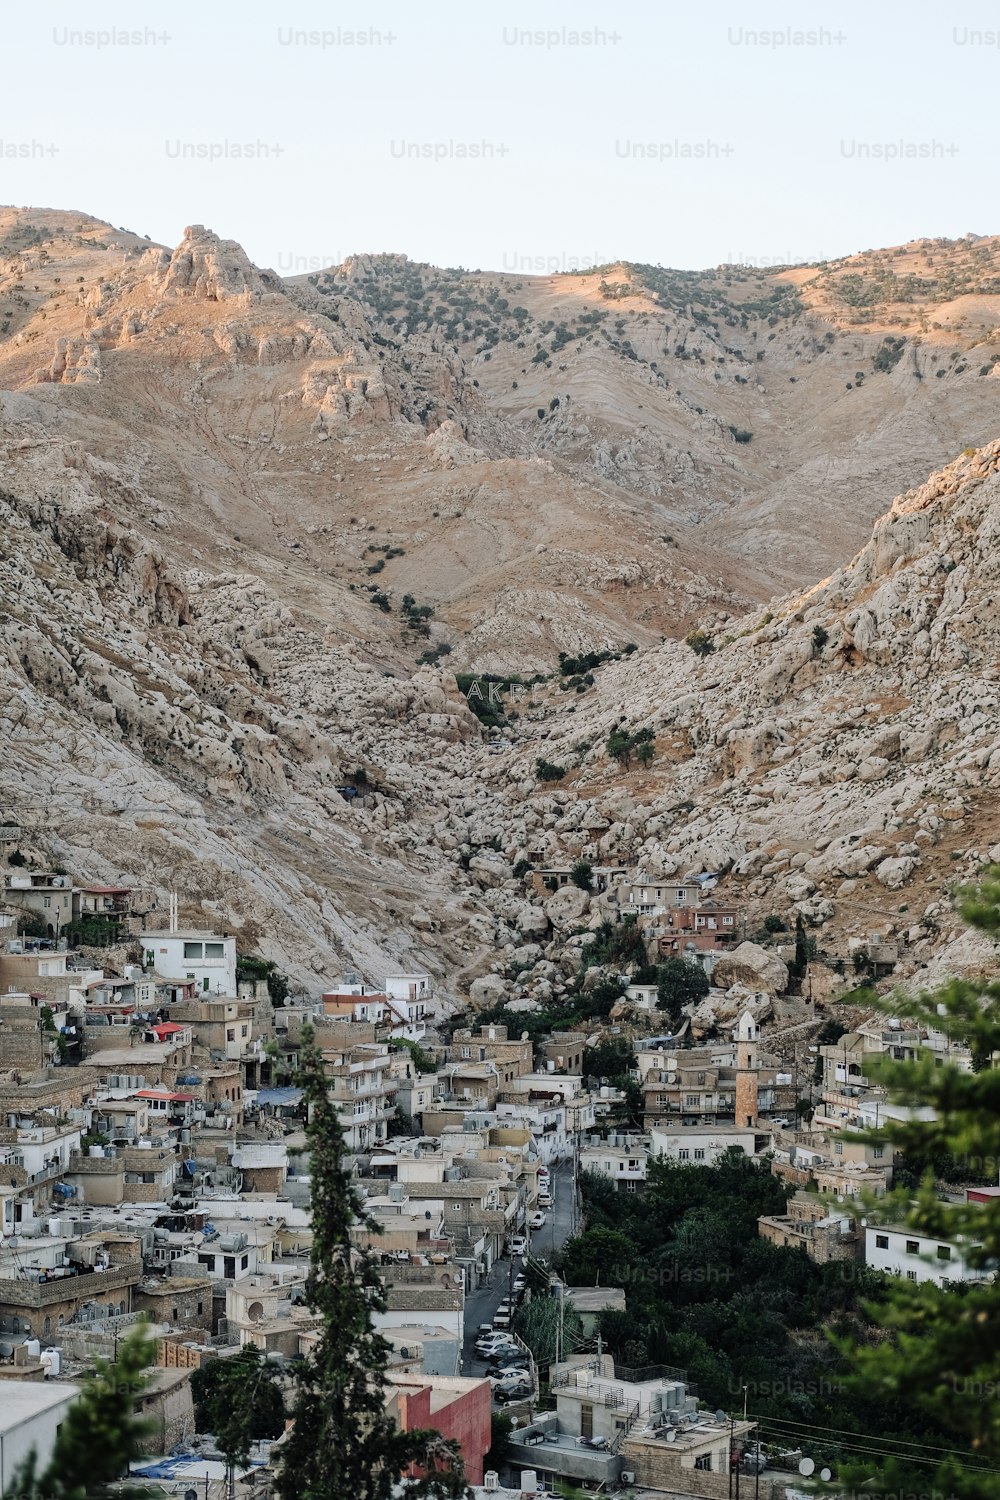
x: 531, y: 921
x: 566, y: 907
x: 488, y: 990
x: 489, y: 870
x: 753, y: 966
x: 894, y: 873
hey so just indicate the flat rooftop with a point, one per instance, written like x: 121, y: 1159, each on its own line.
x: 23, y: 1400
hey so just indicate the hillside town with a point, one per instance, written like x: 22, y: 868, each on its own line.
x: 155, y: 1169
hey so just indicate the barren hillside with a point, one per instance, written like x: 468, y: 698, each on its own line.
x: 249, y: 531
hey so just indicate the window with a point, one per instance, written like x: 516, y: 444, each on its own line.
x: 911, y: 1275
x: 204, y: 984
x: 727, y: 921
x: 701, y: 1078
x: 230, y: 1033
x: 683, y: 1154
x: 704, y: 1461
x: 629, y: 1186
x: 878, y: 1152
x: 662, y: 1099
x: 47, y: 902
x: 214, y: 950
x: 466, y: 1051
x: 913, y: 1247
x: 699, y: 1153
x: 693, y: 1099
x: 193, y: 950
x: 944, y: 1252
x: 839, y: 1148
x: 244, y: 1030
x: 882, y: 1241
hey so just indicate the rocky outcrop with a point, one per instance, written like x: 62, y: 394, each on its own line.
x: 211, y: 269
x: 753, y: 967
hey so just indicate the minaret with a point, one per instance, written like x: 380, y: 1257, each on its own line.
x: 747, y: 1064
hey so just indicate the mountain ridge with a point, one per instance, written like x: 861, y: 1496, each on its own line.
x: 217, y: 501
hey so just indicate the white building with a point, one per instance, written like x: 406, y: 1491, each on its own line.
x: 30, y: 1416
x: 918, y: 1257
x: 411, y: 987
x: 703, y: 1146
x: 208, y: 958
x: 622, y: 1159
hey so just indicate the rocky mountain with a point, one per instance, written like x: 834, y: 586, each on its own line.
x: 252, y: 528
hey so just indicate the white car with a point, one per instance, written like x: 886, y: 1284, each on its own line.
x: 518, y: 1244
x: 537, y: 1220
x: 501, y: 1343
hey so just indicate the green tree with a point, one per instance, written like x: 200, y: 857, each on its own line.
x: 680, y: 983
x: 238, y: 1400
x: 582, y: 874
x: 539, y: 1324
x: 940, y: 1356
x: 99, y: 1435
x: 700, y: 643
x: 343, y: 1443
x: 619, y: 747
x: 598, y: 1257
x: 644, y: 752
x: 422, y: 1061
x: 501, y: 1427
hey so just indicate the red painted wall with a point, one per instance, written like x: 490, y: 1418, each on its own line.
x: 465, y: 1418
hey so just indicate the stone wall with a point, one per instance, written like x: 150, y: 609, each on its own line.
x: 657, y: 1467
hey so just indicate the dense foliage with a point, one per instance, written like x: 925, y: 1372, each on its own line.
x: 238, y: 1400
x: 942, y: 1361
x: 707, y: 1294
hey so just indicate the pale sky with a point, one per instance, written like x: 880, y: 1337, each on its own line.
x: 678, y: 136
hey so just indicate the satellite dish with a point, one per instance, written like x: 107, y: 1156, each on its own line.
x: 190, y: 1495
x: 806, y: 1466
x: 826, y: 1473
x: 720, y: 1416
x: 671, y: 1435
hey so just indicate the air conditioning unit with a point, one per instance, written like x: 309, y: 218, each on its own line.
x: 491, y: 1480
x: 628, y: 1476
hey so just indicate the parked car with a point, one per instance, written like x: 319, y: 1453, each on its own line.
x: 520, y: 1283
x: 503, y: 1394
x: 501, y: 1368
x: 502, y: 1319
x: 518, y: 1244
x: 537, y: 1220
x: 544, y: 1200
x: 492, y: 1346
x: 484, y: 1330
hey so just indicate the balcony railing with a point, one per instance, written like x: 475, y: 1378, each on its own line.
x: 40, y: 1293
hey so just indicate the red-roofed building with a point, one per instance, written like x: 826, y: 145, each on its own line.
x: 169, y: 1106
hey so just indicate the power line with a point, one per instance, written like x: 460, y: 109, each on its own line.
x: 901, y: 1442
x: 859, y: 1446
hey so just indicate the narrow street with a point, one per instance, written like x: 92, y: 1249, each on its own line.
x: 482, y: 1302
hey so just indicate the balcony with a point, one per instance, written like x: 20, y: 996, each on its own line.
x: 78, y: 1287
